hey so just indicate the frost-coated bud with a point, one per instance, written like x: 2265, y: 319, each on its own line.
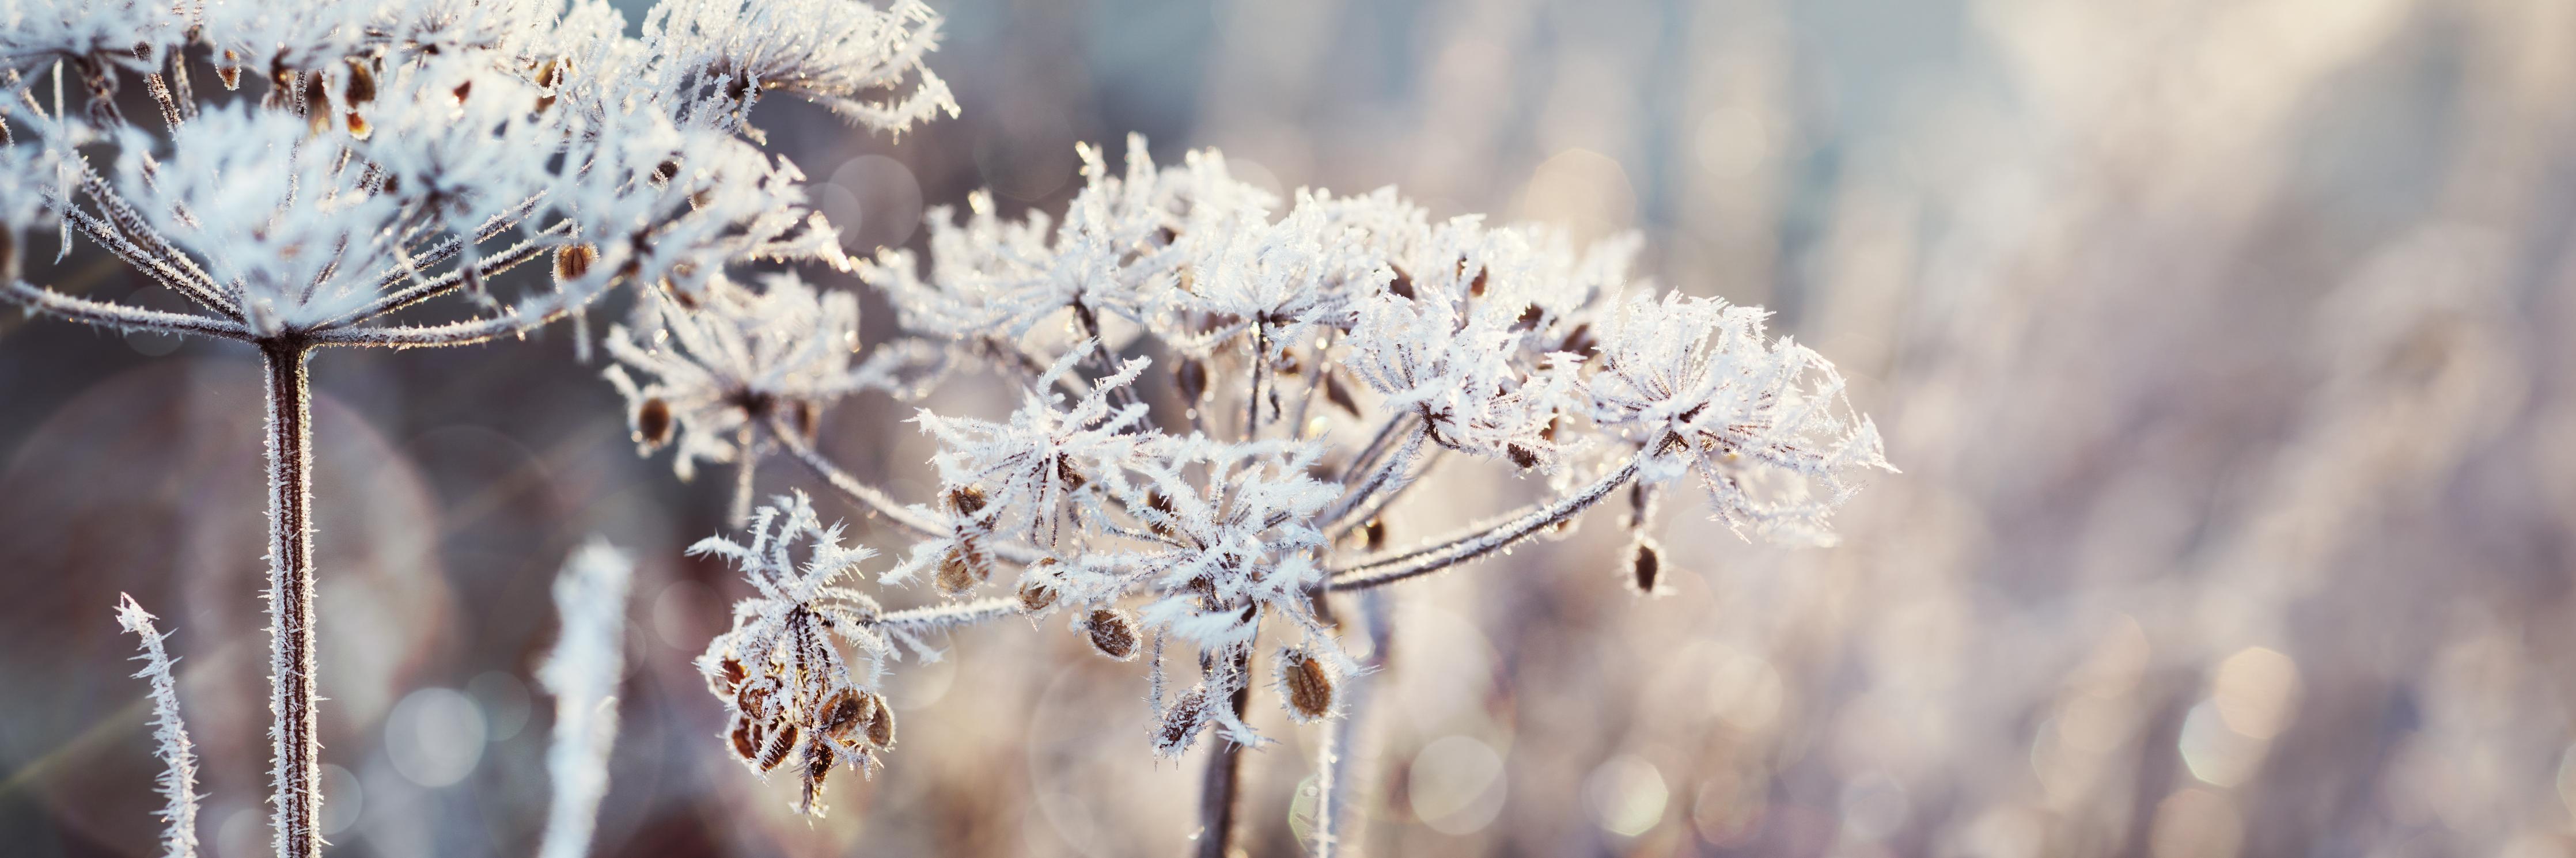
x: 1112, y: 632
x: 1645, y: 568
x: 1305, y: 685
x: 1191, y: 378
x: 573, y: 261
x: 1179, y: 725
x: 653, y: 423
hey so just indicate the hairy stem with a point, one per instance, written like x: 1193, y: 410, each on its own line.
x: 1482, y: 539
x: 296, y: 748
x: 1345, y: 750
x: 1217, y: 788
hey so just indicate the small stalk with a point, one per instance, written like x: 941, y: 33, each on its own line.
x: 296, y: 747
x: 1218, y: 788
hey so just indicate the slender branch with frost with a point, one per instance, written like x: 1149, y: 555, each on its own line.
x: 582, y: 673
x: 169, y: 733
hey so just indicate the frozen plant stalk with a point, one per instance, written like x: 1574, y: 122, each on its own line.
x: 582, y: 674
x: 178, y: 755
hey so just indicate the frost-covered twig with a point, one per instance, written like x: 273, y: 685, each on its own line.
x: 582, y: 673
x: 1343, y: 756
x: 295, y: 773
x: 169, y: 732
x: 1482, y: 539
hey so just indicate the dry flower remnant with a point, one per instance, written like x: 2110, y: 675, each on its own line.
x: 1322, y: 360
x: 367, y: 159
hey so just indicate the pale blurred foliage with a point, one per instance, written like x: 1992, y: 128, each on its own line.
x: 2226, y: 345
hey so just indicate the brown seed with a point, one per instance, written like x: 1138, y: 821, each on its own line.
x: 573, y: 261
x: 1476, y: 287
x: 745, y: 737
x: 1530, y: 318
x: 1070, y: 476
x: 1181, y: 723
x: 753, y: 699
x: 1579, y: 340
x: 228, y: 70
x: 1402, y: 285
x: 1191, y: 379
x: 780, y: 743
x: 726, y: 679
x: 956, y: 572
x: 462, y: 90
x: 880, y: 722
x: 966, y: 500
x: 1167, y: 235
x: 1376, y: 533
x: 1036, y: 597
x: 1522, y: 457
x: 653, y: 422
x: 841, y: 716
x: 1645, y: 568
x: 1340, y: 395
x: 358, y: 127
x: 818, y: 764
x: 1307, y: 686
x: 362, y: 83
x: 664, y: 172
x: 1113, y: 633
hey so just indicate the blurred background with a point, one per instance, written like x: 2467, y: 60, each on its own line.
x: 2225, y: 345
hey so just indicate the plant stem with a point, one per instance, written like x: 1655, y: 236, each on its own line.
x: 1481, y: 539
x: 1344, y: 752
x: 296, y: 749
x: 1224, y: 770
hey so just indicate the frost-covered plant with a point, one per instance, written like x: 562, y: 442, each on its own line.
x: 380, y: 156
x: 582, y: 673
x: 1320, y: 361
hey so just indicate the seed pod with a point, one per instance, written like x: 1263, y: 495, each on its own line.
x: 228, y: 69
x: 1069, y: 476
x: 1522, y: 457
x: 1476, y: 287
x: 358, y: 127
x: 841, y: 716
x: 653, y: 422
x: 573, y: 261
x: 956, y: 574
x: 547, y: 76
x: 879, y: 722
x: 1339, y: 395
x: 818, y: 766
x: 462, y: 90
x: 1180, y: 725
x: 1305, y: 685
x: 1035, y: 597
x: 1402, y: 285
x: 727, y: 677
x: 1112, y: 632
x: 362, y: 83
x: 1375, y: 531
x: 745, y: 736
x: 757, y: 698
x: 664, y: 172
x: 966, y: 501
x: 780, y: 743
x: 1645, y: 568
x: 1530, y: 317
x: 1191, y: 379
x: 317, y: 103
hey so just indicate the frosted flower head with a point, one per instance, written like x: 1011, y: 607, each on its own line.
x: 721, y: 365
x: 1762, y: 425
x: 788, y: 692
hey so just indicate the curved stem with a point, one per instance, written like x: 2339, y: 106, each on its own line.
x: 1482, y: 539
x: 119, y: 316
x: 295, y: 746
x: 1344, y: 752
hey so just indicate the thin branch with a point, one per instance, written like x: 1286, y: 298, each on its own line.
x: 119, y: 316
x: 588, y: 660
x: 485, y: 268
x: 1219, y: 791
x: 933, y: 618
x: 1481, y: 539
x: 529, y: 317
x: 1344, y: 752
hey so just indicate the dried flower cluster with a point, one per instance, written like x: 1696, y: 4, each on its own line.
x: 1316, y: 363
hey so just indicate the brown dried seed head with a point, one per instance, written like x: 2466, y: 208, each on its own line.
x: 1036, y: 597
x: 1645, y: 567
x: 753, y: 699
x: 1191, y: 379
x: 653, y: 422
x: 818, y: 764
x: 841, y: 716
x: 956, y: 573
x: 1306, y: 685
x: 744, y: 736
x: 1113, y: 633
x: 780, y: 743
x: 362, y: 83
x: 1181, y: 724
x: 880, y: 722
x: 1522, y: 457
x: 1376, y: 533
x: 726, y: 679
x: 966, y: 500
x: 1402, y: 285
x: 573, y: 261
x: 1069, y: 476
